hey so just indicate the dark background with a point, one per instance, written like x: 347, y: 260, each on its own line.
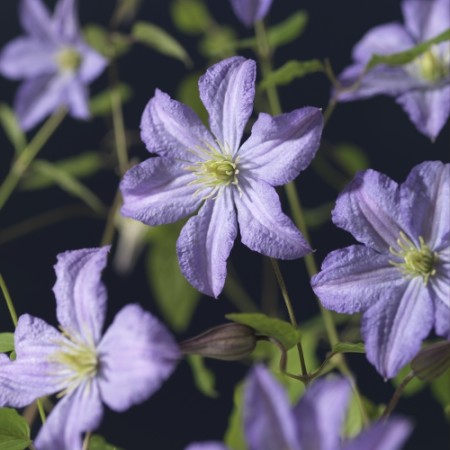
x: 178, y: 414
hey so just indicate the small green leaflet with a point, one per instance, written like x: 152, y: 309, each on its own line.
x: 283, y: 331
x: 14, y: 430
x: 190, y: 16
x: 348, y: 347
x: 9, y: 122
x: 98, y: 443
x: 203, y: 377
x: 6, y: 342
x: 102, y: 103
x: 109, y: 45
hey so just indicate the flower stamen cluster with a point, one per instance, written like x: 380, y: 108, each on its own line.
x: 430, y: 66
x: 68, y: 59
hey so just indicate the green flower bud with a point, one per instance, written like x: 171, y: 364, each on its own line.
x: 432, y: 361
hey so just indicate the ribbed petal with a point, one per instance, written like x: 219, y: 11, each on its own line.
x: 387, y: 435
x: 27, y: 57
x: 280, y: 147
x: 205, y: 243
x: 157, y: 191
x: 395, y: 326
x: 373, y: 208
x: 227, y: 90
x: 77, y: 413
x: 268, y: 421
x: 92, y: 64
x: 206, y: 446
x: 321, y: 412
x: 426, y: 19
x: 78, y: 98
x: 35, y: 19
x: 427, y: 109
x: 137, y: 353
x: 354, y: 278
x: 65, y: 20
x: 31, y: 375
x: 172, y: 129
x: 80, y: 294
x: 250, y: 11
x: 440, y: 290
x: 263, y: 226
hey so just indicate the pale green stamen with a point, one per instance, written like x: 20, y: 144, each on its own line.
x: 68, y: 59
x: 417, y: 261
x: 429, y: 66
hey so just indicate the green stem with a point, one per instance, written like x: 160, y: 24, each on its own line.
x: 108, y: 233
x: 28, y: 154
x: 238, y: 296
x: 397, y: 394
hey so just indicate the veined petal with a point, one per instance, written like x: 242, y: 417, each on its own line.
x: 31, y: 375
x: 441, y: 293
x: 250, y: 11
x: 206, y: 446
x: 205, y: 243
x: 77, y: 99
x: 158, y: 191
x: 137, y: 353
x: 172, y: 129
x: 92, y: 64
x: 427, y: 109
x: 227, y: 90
x: 35, y: 19
x: 263, y: 226
x: 77, y: 413
x: 394, y: 327
x: 321, y: 412
x: 386, y: 435
x: 65, y: 20
x: 268, y: 421
x: 354, y: 278
x: 27, y: 57
x: 280, y: 147
x: 80, y: 294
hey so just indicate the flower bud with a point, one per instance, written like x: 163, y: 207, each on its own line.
x: 432, y: 361
x: 228, y: 342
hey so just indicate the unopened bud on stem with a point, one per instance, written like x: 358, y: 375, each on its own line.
x: 432, y: 361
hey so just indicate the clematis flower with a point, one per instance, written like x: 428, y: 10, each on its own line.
x: 421, y: 87
x: 315, y: 423
x: 230, y: 182
x: 250, y: 11
x: 400, y: 277
x: 121, y: 368
x: 53, y: 59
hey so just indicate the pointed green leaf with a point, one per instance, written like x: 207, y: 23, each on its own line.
x: 234, y: 435
x: 102, y: 103
x: 203, y: 377
x: 285, y: 332
x: 219, y: 43
x: 6, y: 342
x: 350, y: 158
x: 110, y: 45
x: 97, y: 442
x: 348, y: 347
x: 190, y: 16
x: 288, y: 30
x: 14, y: 430
x: 441, y: 392
x: 187, y: 93
x: 9, y: 122
x: 126, y: 10
x: 158, y: 39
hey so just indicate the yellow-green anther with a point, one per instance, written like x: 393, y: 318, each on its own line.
x: 68, y: 59
x: 430, y: 67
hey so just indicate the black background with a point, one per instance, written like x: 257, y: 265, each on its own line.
x: 178, y: 414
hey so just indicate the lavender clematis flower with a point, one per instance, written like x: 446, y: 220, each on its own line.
x: 250, y: 11
x: 53, y: 59
x: 400, y: 278
x: 421, y: 87
x: 315, y: 423
x: 121, y: 368
x: 232, y: 183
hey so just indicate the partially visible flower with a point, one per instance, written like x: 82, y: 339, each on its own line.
x: 53, y: 59
x: 400, y: 278
x: 230, y: 182
x: 250, y: 11
x: 315, y: 423
x: 421, y: 87
x: 121, y: 368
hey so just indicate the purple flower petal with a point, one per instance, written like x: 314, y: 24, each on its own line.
x: 77, y: 413
x: 280, y: 147
x: 31, y: 375
x: 172, y: 129
x: 35, y: 19
x: 137, y: 354
x: 394, y: 327
x: 263, y: 226
x: 321, y: 412
x: 268, y: 421
x: 205, y: 243
x: 354, y: 278
x: 157, y: 191
x: 78, y: 98
x: 227, y: 90
x: 387, y: 435
x: 206, y: 446
x: 92, y: 64
x: 250, y: 11
x: 440, y: 291
x: 65, y: 20
x: 80, y: 295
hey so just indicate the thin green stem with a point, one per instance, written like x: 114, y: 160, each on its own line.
x: 41, y: 410
x: 108, y: 233
x: 9, y: 302
x: 238, y: 296
x: 397, y: 394
x: 28, y: 154
x: 86, y: 441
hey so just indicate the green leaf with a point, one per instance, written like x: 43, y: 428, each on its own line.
x: 176, y: 298
x: 158, y: 39
x: 350, y: 158
x: 234, y: 435
x: 6, y: 342
x: 97, y: 442
x: 109, y: 45
x: 102, y: 103
x: 79, y: 166
x: 286, y: 333
x: 348, y: 347
x: 9, y: 122
x: 219, y: 43
x: 190, y: 16
x: 126, y: 10
x: 187, y: 93
x: 440, y: 390
x: 14, y: 430
x: 398, y: 59
x: 288, y: 30
x: 203, y: 377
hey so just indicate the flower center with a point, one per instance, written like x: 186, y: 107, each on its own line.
x: 430, y: 66
x: 417, y: 261
x: 68, y: 59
